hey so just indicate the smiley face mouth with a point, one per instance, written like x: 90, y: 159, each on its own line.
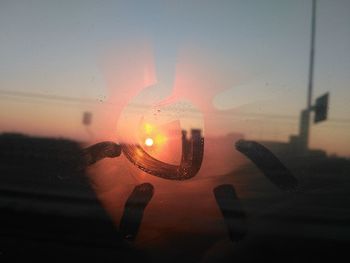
x: 191, y: 159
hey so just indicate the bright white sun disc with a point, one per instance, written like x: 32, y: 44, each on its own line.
x: 149, y: 142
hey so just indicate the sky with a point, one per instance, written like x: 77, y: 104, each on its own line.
x: 258, y: 49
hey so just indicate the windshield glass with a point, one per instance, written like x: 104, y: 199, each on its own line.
x: 163, y: 130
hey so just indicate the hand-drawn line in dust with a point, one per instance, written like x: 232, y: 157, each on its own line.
x: 133, y: 210
x: 232, y: 211
x: 191, y: 160
x: 269, y: 164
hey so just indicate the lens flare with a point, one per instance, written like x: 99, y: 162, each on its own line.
x: 148, y: 128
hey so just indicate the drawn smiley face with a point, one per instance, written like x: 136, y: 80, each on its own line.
x: 126, y: 185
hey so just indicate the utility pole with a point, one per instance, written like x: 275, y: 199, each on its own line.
x: 305, y: 114
x: 312, y: 56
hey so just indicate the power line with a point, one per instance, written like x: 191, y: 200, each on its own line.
x: 64, y: 99
x: 43, y: 96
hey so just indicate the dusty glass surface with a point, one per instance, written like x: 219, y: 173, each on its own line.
x: 171, y: 131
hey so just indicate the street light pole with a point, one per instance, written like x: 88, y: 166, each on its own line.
x: 312, y: 56
x: 305, y: 114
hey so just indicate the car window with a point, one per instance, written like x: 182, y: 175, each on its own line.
x: 170, y: 130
